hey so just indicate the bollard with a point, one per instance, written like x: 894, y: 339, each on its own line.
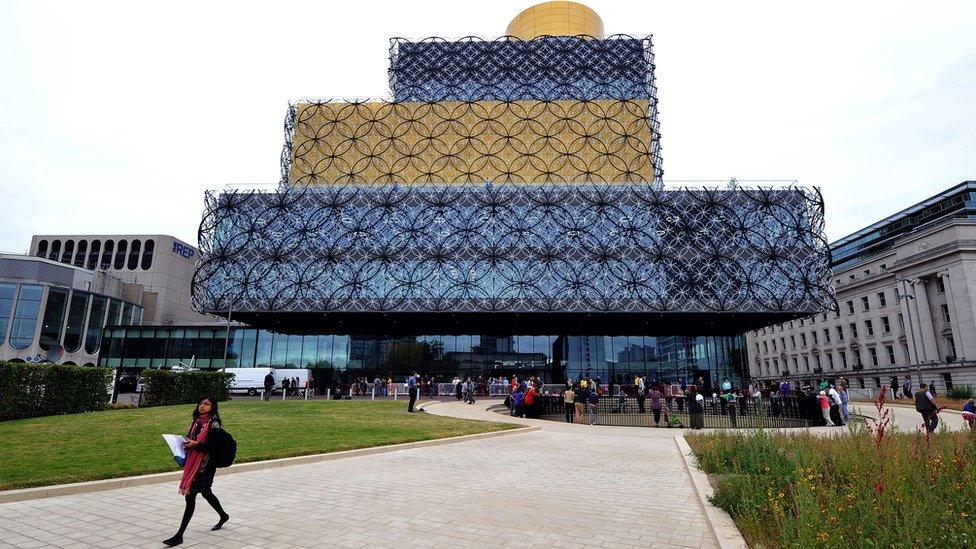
x: 396, y: 391
x: 262, y: 394
x: 284, y: 393
x: 306, y: 393
x: 328, y: 394
x: 374, y: 393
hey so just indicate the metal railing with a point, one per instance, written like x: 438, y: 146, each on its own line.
x: 716, y: 412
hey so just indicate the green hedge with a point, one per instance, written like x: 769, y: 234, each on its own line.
x: 165, y: 387
x: 33, y: 390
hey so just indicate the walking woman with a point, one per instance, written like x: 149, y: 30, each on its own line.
x: 198, y: 472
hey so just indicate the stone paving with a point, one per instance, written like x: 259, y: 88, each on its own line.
x: 562, y: 486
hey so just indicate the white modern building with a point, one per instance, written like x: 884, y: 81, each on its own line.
x: 52, y: 311
x: 906, y: 294
x: 157, y: 270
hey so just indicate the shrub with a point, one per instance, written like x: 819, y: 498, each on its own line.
x: 165, y: 387
x: 962, y: 392
x: 33, y: 390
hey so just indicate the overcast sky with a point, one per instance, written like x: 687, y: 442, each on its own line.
x: 116, y: 116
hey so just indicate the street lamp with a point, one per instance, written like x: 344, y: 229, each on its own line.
x: 911, y: 325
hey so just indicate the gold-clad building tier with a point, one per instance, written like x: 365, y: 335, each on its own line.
x: 471, y: 142
x: 556, y: 19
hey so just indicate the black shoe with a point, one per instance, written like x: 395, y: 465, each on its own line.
x: 175, y: 540
x: 220, y: 524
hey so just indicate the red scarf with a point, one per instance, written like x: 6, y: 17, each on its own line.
x: 194, y: 457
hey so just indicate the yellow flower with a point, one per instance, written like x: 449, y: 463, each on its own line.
x: 965, y: 514
x: 822, y: 536
x: 781, y: 494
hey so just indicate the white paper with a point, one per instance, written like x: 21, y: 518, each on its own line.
x: 175, y: 443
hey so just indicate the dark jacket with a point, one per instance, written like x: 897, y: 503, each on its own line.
x: 922, y: 402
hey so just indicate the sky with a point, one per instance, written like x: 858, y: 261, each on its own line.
x: 116, y: 117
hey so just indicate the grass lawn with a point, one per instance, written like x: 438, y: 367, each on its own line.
x: 120, y: 443
x: 850, y: 490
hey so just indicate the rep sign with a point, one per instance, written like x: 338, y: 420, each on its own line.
x: 182, y: 249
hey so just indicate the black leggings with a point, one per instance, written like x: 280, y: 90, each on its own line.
x: 657, y: 415
x: 191, y: 504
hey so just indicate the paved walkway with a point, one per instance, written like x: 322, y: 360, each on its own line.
x: 562, y: 486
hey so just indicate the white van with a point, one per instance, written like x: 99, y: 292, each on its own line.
x: 251, y: 380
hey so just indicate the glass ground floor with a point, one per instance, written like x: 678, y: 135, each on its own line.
x: 340, y: 358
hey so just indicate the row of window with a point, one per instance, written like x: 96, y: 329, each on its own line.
x: 601, y: 356
x: 772, y: 366
x: 70, y: 317
x: 815, y: 337
x: 124, y: 254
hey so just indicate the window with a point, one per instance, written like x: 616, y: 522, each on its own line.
x: 96, y: 319
x: 817, y: 360
x: 901, y: 322
x: 947, y: 379
x: 850, y: 307
x: 96, y: 248
x: 69, y: 249
x: 796, y: 367
x: 885, y: 325
x: 882, y: 301
x: 853, y: 329
x: 874, y: 355
x: 837, y: 313
x: 803, y: 340
x: 147, y: 255
x: 55, y: 251
x: 106, y: 262
x: 801, y: 322
x: 826, y: 335
x: 830, y: 361
x: 860, y: 382
x: 77, y: 311
x: 41, y: 250
x: 57, y: 302
x: 765, y: 346
x: 891, y: 354
x: 126, y: 314
x: 940, y: 283
x: 824, y: 318
x: 877, y: 382
x: 120, y: 255
x: 951, y: 348
x: 25, y: 316
x: 782, y: 343
x: 843, y: 359
x: 81, y: 253
x: 857, y: 359
x: 840, y: 333
x: 945, y: 313
x: 869, y: 327
x: 134, y: 252
x: 865, y: 305
x: 114, y: 307
x: 774, y: 345
x: 851, y: 277
x: 6, y: 305
x: 867, y: 272
x: 814, y: 334
x: 776, y: 364
x: 806, y: 363
x: 793, y: 341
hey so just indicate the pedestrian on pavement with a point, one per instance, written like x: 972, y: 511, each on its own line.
x: 594, y: 400
x: 198, y: 471
x: 285, y: 383
x: 969, y: 413
x: 568, y: 403
x: 656, y: 405
x: 835, y: 404
x: 925, y: 405
x: 412, y: 391
x: 906, y: 387
x: 696, y: 407
x: 845, y: 398
x: 269, y: 382
x: 825, y: 408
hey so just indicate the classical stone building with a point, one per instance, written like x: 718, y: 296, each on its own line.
x: 906, y: 292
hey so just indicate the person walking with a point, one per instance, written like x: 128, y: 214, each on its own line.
x: 845, y: 398
x: 594, y: 400
x: 925, y: 405
x: 656, y: 405
x: 269, y: 382
x: 906, y: 387
x: 568, y: 403
x: 696, y: 408
x: 198, y: 471
x: 835, y: 404
x: 285, y: 383
x: 412, y: 391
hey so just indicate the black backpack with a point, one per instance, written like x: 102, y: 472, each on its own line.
x: 224, y: 448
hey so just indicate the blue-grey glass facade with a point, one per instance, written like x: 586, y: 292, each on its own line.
x: 341, y: 358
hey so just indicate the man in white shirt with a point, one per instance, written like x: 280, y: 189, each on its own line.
x: 835, y: 403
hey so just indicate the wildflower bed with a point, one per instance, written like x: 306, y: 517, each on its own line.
x: 866, y: 487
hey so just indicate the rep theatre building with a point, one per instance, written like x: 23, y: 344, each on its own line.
x: 501, y: 213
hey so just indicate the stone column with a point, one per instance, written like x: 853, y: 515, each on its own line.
x: 925, y: 330
x: 963, y: 345
x: 915, y: 348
